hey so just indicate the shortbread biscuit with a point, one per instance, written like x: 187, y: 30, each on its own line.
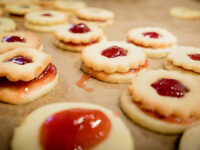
x: 10, y: 41
x: 186, y: 57
x: 24, y: 138
x: 78, y: 36
x: 184, y: 12
x: 113, y: 61
x: 7, y: 25
x: 190, y: 139
x: 45, y: 3
x: 21, y: 8
x: 96, y: 16
x: 168, y: 93
x: 152, y: 120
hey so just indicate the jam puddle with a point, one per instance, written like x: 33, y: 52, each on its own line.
x: 80, y: 83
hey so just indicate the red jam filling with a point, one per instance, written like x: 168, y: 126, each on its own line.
x: 20, y: 60
x: 195, y: 57
x: 13, y: 39
x: 47, y: 15
x: 80, y: 83
x: 25, y: 87
x: 80, y: 44
x: 79, y: 28
x: 146, y: 64
x: 153, y: 35
x: 170, y: 87
x: 114, y: 51
x: 74, y: 129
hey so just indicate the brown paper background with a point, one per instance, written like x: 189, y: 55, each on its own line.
x: 135, y: 13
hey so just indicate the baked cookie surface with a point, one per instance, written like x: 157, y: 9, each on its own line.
x: 94, y: 119
x: 7, y: 25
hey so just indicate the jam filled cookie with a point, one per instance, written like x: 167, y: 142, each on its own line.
x: 162, y: 101
x: 190, y: 139
x: 10, y: 41
x: 44, y: 20
x: 94, y: 16
x: 72, y: 126
x: 7, y: 25
x: 78, y: 36
x: 45, y: 3
x: 154, y: 41
x: 185, y: 60
x: 184, y: 13
x: 21, y: 9
x: 113, y: 62
x: 25, y: 74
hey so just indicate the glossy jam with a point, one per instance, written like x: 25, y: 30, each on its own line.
x: 13, y: 39
x: 170, y: 87
x: 195, y: 57
x: 47, y: 15
x: 170, y: 119
x: 20, y: 60
x: 80, y: 44
x: 23, y: 88
x: 79, y: 28
x: 80, y: 83
x: 152, y: 35
x: 114, y: 51
x: 74, y: 129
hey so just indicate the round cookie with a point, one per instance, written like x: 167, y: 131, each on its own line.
x: 94, y: 16
x: 161, y: 101
x: 21, y: 8
x: 78, y: 36
x: 114, y: 62
x: 24, y: 140
x: 45, y: 3
x: 10, y: 41
x: 7, y: 25
x: 45, y: 20
x: 184, y: 13
x: 190, y: 139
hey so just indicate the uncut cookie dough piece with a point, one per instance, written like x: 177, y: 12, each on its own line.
x: 7, y: 25
x: 155, y: 41
x: 95, y: 119
x: 113, y: 62
x: 25, y: 74
x: 94, y: 16
x: 184, y: 12
x: 77, y: 37
x: 161, y: 101
x: 12, y: 40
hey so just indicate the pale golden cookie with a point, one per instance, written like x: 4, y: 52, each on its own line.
x: 143, y: 118
x: 10, y: 41
x: 45, y: 3
x: 1, y: 12
x: 190, y: 139
x: 182, y: 57
x: 181, y: 98
x: 7, y: 25
x: 26, y: 136
x: 37, y: 62
x: 184, y: 13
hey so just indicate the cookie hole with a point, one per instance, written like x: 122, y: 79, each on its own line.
x: 79, y: 28
x: 195, y: 57
x: 151, y: 35
x: 114, y: 51
x: 13, y: 39
x: 47, y: 15
x: 20, y: 60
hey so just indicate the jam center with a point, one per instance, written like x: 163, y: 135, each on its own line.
x: 13, y: 39
x: 170, y: 87
x: 195, y: 57
x: 114, y: 51
x: 20, y: 60
x: 74, y: 129
x: 47, y: 15
x: 79, y: 28
x: 153, y: 35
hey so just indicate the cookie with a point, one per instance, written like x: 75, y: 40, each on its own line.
x: 113, y: 62
x: 7, y: 25
x: 1, y: 12
x: 189, y: 139
x: 78, y: 36
x: 154, y: 41
x: 21, y: 9
x: 45, y: 3
x: 162, y: 101
x: 25, y: 74
x: 184, y: 12
x: 186, y: 57
x: 45, y: 20
x: 10, y: 41
x: 95, y: 127
x: 94, y: 16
